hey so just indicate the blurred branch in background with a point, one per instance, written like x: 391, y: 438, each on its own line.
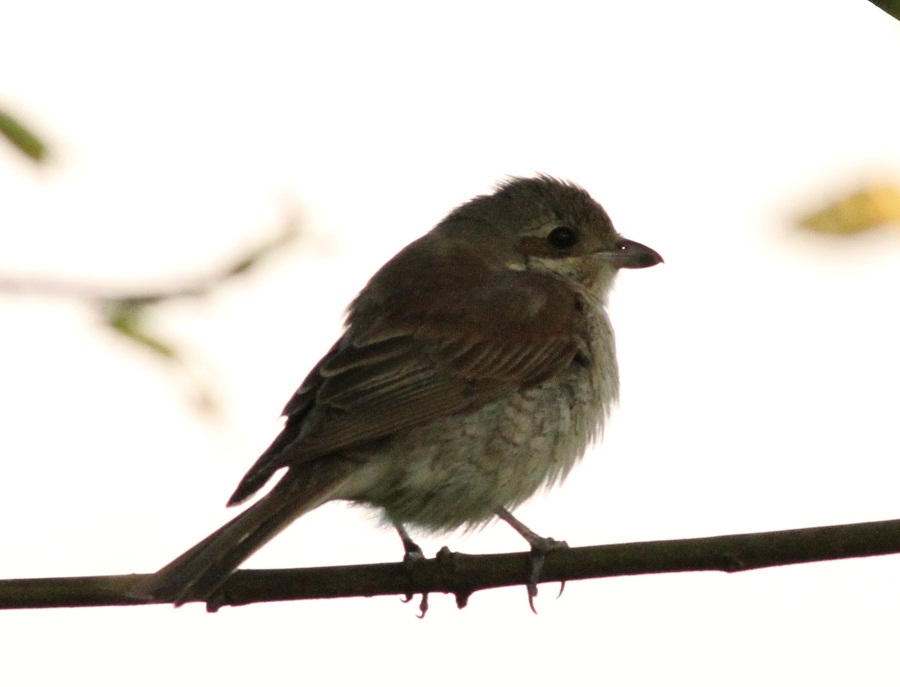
x: 126, y: 312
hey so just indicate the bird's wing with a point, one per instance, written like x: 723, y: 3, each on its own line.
x: 425, y: 359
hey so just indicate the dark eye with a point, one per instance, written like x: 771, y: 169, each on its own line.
x: 562, y: 237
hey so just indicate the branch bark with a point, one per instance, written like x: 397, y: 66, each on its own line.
x: 462, y: 575
x: 892, y: 7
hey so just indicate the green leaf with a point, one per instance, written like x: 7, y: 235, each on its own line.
x: 126, y: 316
x: 22, y: 138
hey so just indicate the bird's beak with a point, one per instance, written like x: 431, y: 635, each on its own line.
x: 633, y: 255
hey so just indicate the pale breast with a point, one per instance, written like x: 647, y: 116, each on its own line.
x: 456, y: 471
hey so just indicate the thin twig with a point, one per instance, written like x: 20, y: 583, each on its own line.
x: 462, y: 575
x: 191, y: 288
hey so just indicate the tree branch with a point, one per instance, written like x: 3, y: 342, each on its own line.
x: 195, y: 287
x: 892, y: 7
x: 462, y: 575
x: 125, y: 311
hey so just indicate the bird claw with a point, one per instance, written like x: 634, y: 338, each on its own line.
x: 540, y: 546
x: 412, y: 554
x: 423, y: 604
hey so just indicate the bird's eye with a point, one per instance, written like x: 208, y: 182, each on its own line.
x: 562, y: 237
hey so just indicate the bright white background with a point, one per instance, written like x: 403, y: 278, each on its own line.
x: 759, y: 365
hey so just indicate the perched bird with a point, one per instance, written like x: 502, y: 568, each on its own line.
x: 475, y: 367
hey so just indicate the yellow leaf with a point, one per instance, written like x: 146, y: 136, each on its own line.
x: 860, y: 211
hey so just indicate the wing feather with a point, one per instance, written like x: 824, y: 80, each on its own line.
x: 408, y: 359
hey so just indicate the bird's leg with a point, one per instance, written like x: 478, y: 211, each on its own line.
x: 539, y: 548
x: 412, y: 552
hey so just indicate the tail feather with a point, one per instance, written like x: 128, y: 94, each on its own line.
x: 199, y: 572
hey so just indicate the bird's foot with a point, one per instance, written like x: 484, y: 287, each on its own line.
x: 540, y: 547
x: 412, y: 554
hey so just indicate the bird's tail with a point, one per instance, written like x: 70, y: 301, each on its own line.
x: 197, y: 573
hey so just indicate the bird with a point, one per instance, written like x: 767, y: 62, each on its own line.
x: 474, y: 369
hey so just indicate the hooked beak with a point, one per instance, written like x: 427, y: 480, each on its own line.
x: 633, y: 255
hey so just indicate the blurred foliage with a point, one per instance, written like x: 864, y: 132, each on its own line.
x: 22, y: 138
x: 859, y: 211
x: 128, y: 315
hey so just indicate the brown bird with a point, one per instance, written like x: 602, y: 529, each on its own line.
x: 475, y: 368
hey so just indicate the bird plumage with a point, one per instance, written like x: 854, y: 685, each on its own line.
x: 475, y: 367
